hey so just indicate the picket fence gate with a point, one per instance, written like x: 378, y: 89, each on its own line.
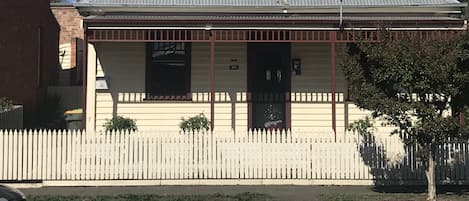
x: 298, y: 157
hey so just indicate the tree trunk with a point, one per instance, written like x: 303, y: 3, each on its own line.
x: 430, y: 172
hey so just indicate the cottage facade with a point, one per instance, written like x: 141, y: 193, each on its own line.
x: 244, y: 64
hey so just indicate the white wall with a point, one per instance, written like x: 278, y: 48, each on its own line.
x: 124, y: 65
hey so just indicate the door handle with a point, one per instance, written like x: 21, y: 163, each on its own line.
x: 279, y: 75
x: 268, y: 75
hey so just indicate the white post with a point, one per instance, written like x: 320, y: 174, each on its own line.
x: 91, y: 90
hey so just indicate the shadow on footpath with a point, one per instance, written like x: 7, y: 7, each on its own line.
x: 408, y: 175
x: 441, y: 189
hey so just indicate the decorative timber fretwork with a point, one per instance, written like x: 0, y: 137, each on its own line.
x: 150, y: 35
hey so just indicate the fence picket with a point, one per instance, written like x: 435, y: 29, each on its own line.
x: 265, y: 156
x: 146, y: 158
x: 29, y: 148
x: 204, y: 156
x: 67, y: 161
x: 126, y: 153
x: 21, y: 157
x: 15, y: 153
x: 73, y: 157
x: 41, y: 155
x: 26, y: 156
x: 2, y: 155
x: 99, y: 156
x: 53, y: 155
x: 86, y: 156
x: 102, y: 155
x: 172, y: 158
x: 238, y: 164
x: 81, y: 156
x: 60, y: 153
x: 7, y: 158
x: 258, y: 154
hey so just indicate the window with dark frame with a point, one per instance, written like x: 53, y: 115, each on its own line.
x: 168, y: 70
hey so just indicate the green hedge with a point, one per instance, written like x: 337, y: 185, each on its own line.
x: 5, y: 104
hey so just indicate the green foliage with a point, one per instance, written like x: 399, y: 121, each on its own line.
x: 195, y: 123
x: 362, y: 126
x: 5, y: 104
x: 411, y: 83
x: 120, y: 123
x: 466, y: 115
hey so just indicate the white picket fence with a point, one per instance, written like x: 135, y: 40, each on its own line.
x: 298, y: 157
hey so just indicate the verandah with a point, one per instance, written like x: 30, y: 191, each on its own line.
x: 97, y: 34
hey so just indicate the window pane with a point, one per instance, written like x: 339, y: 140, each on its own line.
x: 168, y: 69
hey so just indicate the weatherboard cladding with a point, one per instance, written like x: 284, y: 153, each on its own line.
x: 270, y: 3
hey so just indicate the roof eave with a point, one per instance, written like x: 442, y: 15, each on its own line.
x: 103, y: 10
x: 62, y: 4
x: 88, y: 5
x: 285, y: 22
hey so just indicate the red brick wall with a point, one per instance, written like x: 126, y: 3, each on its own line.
x: 70, y: 32
x: 70, y: 22
x: 23, y: 60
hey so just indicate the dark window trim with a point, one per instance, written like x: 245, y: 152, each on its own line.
x: 188, y: 63
x: 39, y: 57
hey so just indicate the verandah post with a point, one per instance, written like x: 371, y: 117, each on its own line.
x: 212, y: 80
x: 332, y: 37
x: 91, y: 65
x: 84, y: 68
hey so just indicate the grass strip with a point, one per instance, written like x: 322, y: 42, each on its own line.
x: 132, y: 197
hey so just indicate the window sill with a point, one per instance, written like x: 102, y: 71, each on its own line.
x: 167, y: 98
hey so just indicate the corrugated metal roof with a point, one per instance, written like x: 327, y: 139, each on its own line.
x: 266, y: 17
x: 270, y: 3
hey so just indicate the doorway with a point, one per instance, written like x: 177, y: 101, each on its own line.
x: 268, y: 83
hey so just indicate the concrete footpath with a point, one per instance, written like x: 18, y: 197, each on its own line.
x: 280, y: 193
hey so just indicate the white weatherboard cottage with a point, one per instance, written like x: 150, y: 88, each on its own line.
x: 244, y: 64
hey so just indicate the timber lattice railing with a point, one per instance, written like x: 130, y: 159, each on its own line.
x: 300, y: 157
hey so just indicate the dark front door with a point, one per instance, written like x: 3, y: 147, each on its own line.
x: 268, y: 82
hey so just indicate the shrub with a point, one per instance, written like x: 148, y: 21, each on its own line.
x: 5, y: 104
x: 362, y: 126
x: 120, y: 123
x: 195, y: 123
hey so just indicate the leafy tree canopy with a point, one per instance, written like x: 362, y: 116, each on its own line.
x: 412, y: 83
x: 415, y: 84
